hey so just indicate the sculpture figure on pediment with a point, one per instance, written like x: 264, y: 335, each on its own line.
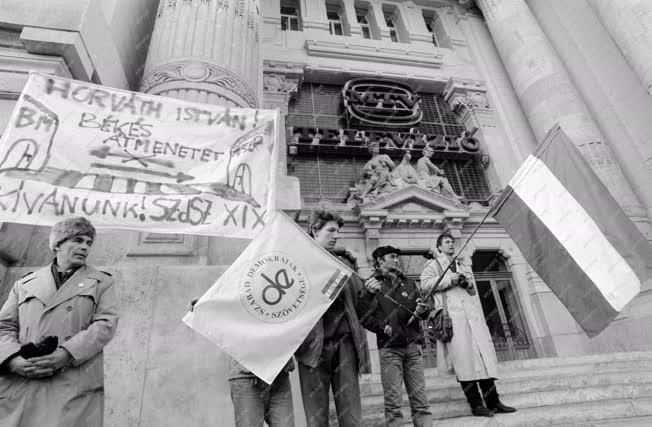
x: 405, y: 174
x: 377, y: 172
x: 432, y: 177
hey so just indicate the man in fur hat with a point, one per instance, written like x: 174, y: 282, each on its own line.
x: 53, y: 327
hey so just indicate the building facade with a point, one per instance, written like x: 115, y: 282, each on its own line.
x: 481, y: 82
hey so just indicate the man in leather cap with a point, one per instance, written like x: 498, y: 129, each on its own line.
x: 385, y: 309
x: 70, y: 307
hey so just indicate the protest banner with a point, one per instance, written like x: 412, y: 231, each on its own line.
x: 136, y: 161
x: 265, y: 304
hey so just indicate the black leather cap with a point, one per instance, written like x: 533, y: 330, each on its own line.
x: 384, y: 250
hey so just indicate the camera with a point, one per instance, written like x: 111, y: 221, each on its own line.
x: 463, y: 282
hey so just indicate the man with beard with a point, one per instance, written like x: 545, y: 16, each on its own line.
x: 53, y: 328
x: 386, y: 309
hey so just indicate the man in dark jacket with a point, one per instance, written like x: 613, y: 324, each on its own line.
x: 386, y: 307
x: 333, y: 353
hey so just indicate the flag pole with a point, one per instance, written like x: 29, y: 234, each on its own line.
x: 441, y: 277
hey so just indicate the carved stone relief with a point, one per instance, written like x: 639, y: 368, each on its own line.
x: 381, y: 177
x: 200, y: 72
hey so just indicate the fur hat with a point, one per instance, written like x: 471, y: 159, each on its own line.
x: 69, y: 228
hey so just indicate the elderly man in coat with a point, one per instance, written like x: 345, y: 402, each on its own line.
x: 471, y: 351
x: 63, y: 385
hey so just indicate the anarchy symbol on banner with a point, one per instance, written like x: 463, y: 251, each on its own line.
x: 277, y: 286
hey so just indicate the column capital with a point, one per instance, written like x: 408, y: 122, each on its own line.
x: 194, y: 74
x: 279, y: 89
x: 463, y: 96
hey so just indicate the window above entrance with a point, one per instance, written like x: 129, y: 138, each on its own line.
x: 290, y: 15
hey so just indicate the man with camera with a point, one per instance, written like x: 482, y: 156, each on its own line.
x: 471, y: 350
x: 385, y: 308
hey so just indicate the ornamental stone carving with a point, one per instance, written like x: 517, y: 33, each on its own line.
x: 280, y: 83
x: 381, y: 176
x: 199, y: 72
x: 470, y: 100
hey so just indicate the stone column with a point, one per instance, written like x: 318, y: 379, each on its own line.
x: 548, y: 95
x: 206, y: 51
x: 630, y: 24
x: 203, y: 51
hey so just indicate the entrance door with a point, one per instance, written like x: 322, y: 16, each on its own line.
x: 504, y: 319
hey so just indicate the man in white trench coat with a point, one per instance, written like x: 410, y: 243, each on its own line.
x: 63, y: 387
x: 471, y: 351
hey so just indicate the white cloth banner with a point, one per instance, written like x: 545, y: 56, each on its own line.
x: 265, y: 304
x: 136, y: 161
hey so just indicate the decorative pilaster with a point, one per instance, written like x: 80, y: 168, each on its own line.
x: 206, y: 51
x: 280, y: 84
x: 377, y: 10
x: 548, y: 95
x: 314, y: 15
x: 470, y: 102
x: 416, y: 25
x: 351, y: 18
x: 630, y: 26
x: 281, y: 81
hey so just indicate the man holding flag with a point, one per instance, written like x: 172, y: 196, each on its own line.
x: 334, y: 353
x: 274, y: 294
x: 471, y: 350
x: 388, y: 304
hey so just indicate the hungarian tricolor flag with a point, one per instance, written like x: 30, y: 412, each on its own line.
x: 265, y: 304
x: 574, y: 234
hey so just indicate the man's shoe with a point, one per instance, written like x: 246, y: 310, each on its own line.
x: 503, y: 409
x: 481, y: 411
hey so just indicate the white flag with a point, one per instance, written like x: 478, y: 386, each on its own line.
x: 265, y: 304
x: 136, y: 161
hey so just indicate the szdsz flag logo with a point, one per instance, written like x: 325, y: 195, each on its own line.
x: 274, y: 288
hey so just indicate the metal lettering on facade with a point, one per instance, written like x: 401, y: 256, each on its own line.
x: 390, y: 140
x: 382, y: 102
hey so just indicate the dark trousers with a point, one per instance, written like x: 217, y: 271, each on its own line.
x: 399, y: 365
x: 474, y: 397
x: 338, y: 368
x: 255, y: 401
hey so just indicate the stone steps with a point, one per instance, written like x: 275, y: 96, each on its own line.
x: 594, y: 389
x: 549, y: 367
x: 614, y: 422
x: 605, y: 412
x: 516, y: 387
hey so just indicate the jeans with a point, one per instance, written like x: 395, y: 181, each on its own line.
x: 398, y: 365
x: 337, y: 367
x: 254, y: 401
